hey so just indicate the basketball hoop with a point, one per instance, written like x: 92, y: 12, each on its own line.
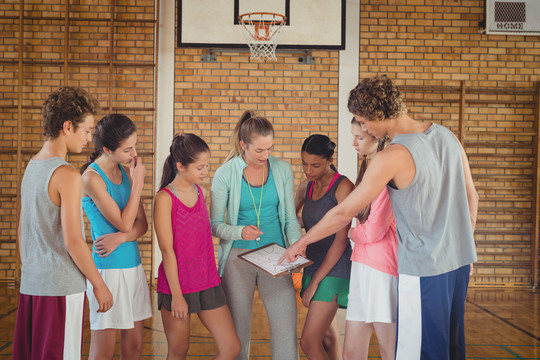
x: 261, y: 31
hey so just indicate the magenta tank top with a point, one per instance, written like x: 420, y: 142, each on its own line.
x: 193, y: 246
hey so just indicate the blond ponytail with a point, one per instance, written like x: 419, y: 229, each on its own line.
x: 249, y: 125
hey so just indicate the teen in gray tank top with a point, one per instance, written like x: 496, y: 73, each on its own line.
x: 43, y: 250
x: 435, y: 210
x: 436, y: 200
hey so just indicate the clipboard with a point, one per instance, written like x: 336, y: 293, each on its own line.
x: 266, y: 258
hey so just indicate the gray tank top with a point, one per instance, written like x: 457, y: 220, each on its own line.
x: 432, y: 213
x: 313, y: 211
x: 47, y: 268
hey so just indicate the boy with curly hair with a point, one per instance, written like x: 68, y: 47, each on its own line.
x: 54, y: 254
x: 435, y: 205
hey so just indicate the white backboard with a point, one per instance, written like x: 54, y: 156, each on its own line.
x: 311, y: 24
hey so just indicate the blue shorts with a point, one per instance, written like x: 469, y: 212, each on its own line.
x: 431, y: 313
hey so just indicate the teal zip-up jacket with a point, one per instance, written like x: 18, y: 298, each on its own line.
x: 226, y: 190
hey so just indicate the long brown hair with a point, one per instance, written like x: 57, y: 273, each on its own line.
x: 364, y: 213
x: 109, y: 133
x: 185, y: 149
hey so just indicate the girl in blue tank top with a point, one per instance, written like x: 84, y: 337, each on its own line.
x: 325, y: 283
x: 112, y: 202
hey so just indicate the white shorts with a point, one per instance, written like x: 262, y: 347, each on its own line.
x: 131, y: 299
x: 372, y: 295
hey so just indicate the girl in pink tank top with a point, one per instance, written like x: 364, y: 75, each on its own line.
x: 373, y: 287
x: 188, y: 281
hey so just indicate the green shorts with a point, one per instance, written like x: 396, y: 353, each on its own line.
x: 328, y: 289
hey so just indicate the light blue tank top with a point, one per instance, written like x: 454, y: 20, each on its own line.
x: 269, y: 218
x: 126, y: 255
x: 432, y: 213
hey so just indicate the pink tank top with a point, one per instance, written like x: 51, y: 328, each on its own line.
x: 375, y: 241
x: 193, y: 246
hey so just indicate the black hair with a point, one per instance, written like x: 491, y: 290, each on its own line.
x: 185, y: 149
x: 109, y: 133
x: 320, y: 145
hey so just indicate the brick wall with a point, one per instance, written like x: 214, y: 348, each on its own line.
x: 126, y: 85
x: 299, y: 99
x: 427, y: 46
x: 423, y: 42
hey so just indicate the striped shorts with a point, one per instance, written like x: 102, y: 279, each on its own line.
x: 49, y: 327
x: 431, y: 313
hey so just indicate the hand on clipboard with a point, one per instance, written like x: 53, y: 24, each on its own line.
x: 293, y: 253
x: 298, y: 269
x: 267, y: 258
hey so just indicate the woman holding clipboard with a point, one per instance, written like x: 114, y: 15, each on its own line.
x: 252, y: 206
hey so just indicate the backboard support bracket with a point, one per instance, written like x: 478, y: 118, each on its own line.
x: 307, y: 59
x: 209, y: 55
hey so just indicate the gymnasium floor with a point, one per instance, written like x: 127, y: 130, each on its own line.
x: 501, y: 324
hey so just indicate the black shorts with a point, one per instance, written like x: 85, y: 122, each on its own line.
x: 208, y: 299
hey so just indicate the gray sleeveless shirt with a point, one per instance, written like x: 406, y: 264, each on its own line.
x: 47, y: 268
x: 432, y: 213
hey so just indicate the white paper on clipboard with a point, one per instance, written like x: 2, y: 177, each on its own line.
x: 267, y: 257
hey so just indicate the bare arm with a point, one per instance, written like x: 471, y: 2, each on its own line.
x: 299, y: 200
x: 472, y: 195
x: 19, y: 235
x: 382, y: 169
x: 140, y: 227
x: 335, y: 251
x: 66, y: 182
x: 206, y: 195
x: 123, y: 220
x: 164, y: 233
x: 107, y: 243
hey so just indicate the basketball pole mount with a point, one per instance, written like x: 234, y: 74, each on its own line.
x: 209, y: 55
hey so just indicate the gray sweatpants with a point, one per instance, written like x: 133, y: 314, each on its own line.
x: 277, y: 294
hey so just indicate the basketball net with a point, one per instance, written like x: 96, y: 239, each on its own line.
x: 261, y: 31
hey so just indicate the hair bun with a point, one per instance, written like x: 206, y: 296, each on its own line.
x: 331, y: 145
x: 248, y: 114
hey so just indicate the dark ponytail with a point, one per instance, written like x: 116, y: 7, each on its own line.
x: 185, y: 149
x: 320, y: 145
x: 109, y: 133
